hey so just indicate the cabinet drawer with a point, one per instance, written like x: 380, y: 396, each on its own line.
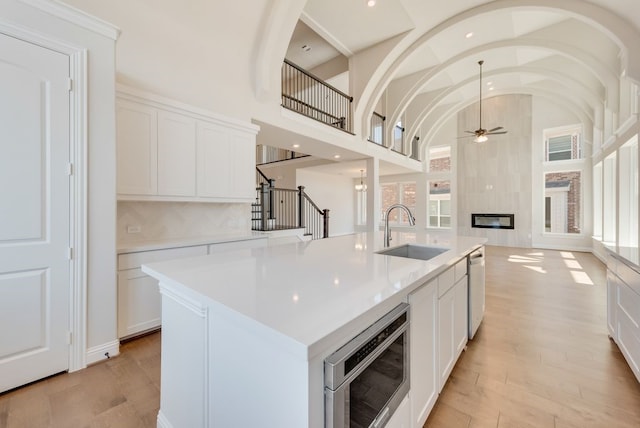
x: 629, y: 276
x: 135, y: 260
x: 237, y: 245
x: 460, y: 269
x: 446, y: 281
x: 629, y: 304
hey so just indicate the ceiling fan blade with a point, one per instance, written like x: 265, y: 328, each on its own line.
x: 470, y: 132
x: 495, y: 129
x: 465, y: 136
x: 496, y: 133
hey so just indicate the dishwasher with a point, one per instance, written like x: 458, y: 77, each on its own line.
x: 476, y: 290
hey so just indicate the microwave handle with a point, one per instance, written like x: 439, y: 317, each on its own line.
x: 380, y: 421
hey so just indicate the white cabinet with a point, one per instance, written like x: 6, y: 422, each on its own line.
x: 422, y: 346
x: 226, y: 162
x: 139, y: 303
x: 623, y: 310
x: 612, y: 290
x: 237, y: 245
x: 171, y: 152
x: 452, y: 321
x: 176, y: 154
x: 137, y: 148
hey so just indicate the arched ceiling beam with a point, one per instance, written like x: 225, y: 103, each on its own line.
x: 605, y: 75
x: 585, y: 94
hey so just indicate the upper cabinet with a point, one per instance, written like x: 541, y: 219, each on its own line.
x: 168, y: 151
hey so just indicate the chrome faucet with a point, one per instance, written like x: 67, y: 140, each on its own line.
x: 387, y: 233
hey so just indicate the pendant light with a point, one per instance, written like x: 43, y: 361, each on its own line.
x: 361, y: 187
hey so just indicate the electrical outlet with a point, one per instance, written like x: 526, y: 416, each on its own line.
x: 134, y: 229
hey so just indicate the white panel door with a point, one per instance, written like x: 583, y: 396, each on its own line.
x: 176, y: 154
x: 34, y: 212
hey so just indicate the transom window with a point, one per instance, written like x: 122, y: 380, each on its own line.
x: 563, y: 145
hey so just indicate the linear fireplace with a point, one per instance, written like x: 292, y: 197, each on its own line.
x: 492, y: 221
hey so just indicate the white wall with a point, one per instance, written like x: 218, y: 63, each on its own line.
x: 199, y: 52
x: 494, y: 177
x: 333, y: 192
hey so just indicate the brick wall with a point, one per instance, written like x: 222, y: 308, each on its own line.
x: 573, y: 197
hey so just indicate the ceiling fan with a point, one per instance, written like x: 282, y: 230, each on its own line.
x: 481, y: 133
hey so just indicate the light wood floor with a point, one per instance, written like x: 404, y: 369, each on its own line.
x: 541, y: 359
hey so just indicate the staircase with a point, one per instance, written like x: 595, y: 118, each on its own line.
x: 285, y: 209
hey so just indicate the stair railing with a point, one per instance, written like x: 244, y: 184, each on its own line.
x: 279, y: 209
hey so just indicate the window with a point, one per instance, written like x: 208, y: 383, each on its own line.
x: 562, y: 191
x: 628, y: 200
x: 398, y: 193
x: 439, y: 204
x: 440, y: 159
x: 597, y: 201
x: 609, y: 214
x: 562, y: 145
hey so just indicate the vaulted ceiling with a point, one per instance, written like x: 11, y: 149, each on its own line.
x: 571, y: 51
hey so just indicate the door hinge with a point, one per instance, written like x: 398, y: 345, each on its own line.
x: 70, y: 253
x: 69, y: 169
x: 69, y: 338
x: 70, y: 84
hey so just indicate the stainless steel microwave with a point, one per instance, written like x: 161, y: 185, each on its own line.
x: 367, y: 379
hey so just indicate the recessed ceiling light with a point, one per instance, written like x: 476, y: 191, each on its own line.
x: 491, y: 88
x: 489, y: 83
x: 336, y: 156
x: 469, y: 35
x: 295, y: 146
x: 371, y: 3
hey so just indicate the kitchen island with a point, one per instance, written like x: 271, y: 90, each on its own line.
x: 245, y: 333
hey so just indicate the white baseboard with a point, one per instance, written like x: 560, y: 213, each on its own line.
x: 100, y: 352
x: 163, y: 422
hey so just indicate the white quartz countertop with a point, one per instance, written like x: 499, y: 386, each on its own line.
x: 159, y: 244
x: 311, y: 294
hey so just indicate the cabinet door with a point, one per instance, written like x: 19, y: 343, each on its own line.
x: 461, y: 316
x: 401, y: 418
x: 628, y: 326
x: 139, y: 303
x: 137, y: 154
x: 423, y: 341
x: 446, y: 315
x: 612, y: 288
x: 176, y: 154
x: 226, y: 163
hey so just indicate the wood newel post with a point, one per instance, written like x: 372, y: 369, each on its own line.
x: 325, y: 233
x: 300, y: 206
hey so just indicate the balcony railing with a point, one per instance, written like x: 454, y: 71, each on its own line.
x: 307, y: 94
x: 376, y: 129
x: 267, y: 154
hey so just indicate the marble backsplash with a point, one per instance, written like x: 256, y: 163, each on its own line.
x: 174, y: 220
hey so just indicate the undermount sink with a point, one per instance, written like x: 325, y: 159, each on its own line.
x: 412, y: 251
